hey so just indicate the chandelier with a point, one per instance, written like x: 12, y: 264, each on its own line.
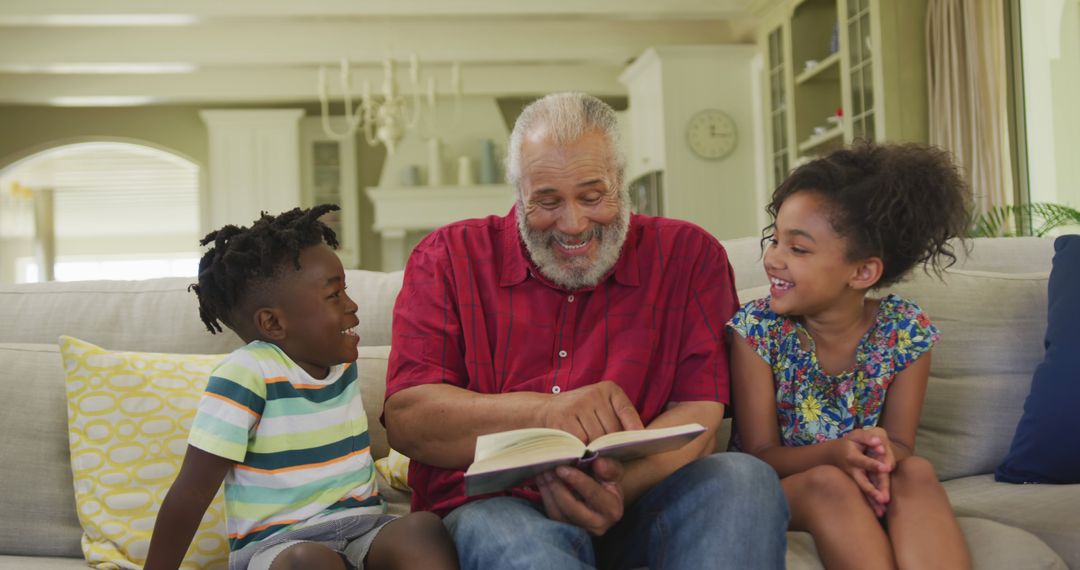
x: 385, y: 120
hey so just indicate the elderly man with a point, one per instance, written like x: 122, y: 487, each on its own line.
x: 574, y: 314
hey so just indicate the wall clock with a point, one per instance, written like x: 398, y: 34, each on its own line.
x: 711, y: 134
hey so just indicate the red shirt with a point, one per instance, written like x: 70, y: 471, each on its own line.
x: 475, y: 313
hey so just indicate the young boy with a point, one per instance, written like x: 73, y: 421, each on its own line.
x: 281, y: 421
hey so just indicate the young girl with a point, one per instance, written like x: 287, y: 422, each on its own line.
x: 828, y: 382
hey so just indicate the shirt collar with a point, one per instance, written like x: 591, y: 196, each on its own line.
x: 517, y: 265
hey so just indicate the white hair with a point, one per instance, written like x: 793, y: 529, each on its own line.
x: 567, y: 116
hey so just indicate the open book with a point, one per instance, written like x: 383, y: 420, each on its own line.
x: 507, y: 458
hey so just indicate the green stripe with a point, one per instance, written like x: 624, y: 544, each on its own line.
x: 284, y: 509
x: 212, y: 426
x: 231, y: 390
x: 239, y: 372
x: 279, y: 390
x: 300, y: 440
x: 351, y: 503
x: 340, y: 483
x: 298, y: 406
x: 295, y: 457
x: 238, y: 543
x: 211, y: 444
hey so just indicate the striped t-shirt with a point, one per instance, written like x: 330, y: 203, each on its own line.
x: 301, y: 445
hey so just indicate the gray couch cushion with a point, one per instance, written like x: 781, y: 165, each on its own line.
x: 156, y: 315
x: 374, y: 293
x: 1007, y: 255
x: 1051, y: 512
x: 159, y: 315
x: 993, y: 546
x: 41, y: 563
x: 992, y: 325
x: 38, y: 509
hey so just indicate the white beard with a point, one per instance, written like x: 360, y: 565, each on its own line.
x: 578, y: 272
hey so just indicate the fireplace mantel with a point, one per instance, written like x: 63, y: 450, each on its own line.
x: 401, y: 210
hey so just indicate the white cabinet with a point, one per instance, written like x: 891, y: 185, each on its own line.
x: 254, y: 165
x: 328, y: 175
x: 645, y: 149
x: 668, y: 87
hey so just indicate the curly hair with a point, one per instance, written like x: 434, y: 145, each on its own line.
x: 243, y: 258
x: 903, y: 203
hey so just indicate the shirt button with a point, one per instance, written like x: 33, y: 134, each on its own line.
x: 562, y: 354
x: 555, y: 389
x: 570, y: 299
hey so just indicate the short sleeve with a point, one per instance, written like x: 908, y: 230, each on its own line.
x: 427, y: 338
x: 230, y: 408
x: 912, y: 335
x: 703, y: 372
x: 753, y: 322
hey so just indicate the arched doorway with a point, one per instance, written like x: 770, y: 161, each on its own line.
x: 99, y: 210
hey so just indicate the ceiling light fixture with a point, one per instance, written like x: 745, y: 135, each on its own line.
x: 385, y: 120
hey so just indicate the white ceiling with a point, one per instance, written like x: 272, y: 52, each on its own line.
x: 172, y: 51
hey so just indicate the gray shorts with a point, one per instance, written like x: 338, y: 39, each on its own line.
x: 349, y: 536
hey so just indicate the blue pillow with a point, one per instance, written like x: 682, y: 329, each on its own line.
x: 1046, y: 446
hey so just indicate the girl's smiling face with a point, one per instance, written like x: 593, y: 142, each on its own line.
x: 806, y: 260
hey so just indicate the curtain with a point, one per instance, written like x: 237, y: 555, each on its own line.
x: 968, y: 83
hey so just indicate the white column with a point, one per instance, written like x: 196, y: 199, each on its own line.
x: 254, y: 164
x: 44, y: 234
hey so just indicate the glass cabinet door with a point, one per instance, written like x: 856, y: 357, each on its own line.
x: 777, y: 104
x: 860, y: 69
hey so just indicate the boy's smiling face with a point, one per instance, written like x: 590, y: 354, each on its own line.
x: 315, y: 315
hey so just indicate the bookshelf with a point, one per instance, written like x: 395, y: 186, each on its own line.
x: 838, y: 71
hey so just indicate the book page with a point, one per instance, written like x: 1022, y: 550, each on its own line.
x: 507, y: 459
x: 515, y: 441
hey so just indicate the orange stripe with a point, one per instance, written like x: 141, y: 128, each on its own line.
x: 233, y: 403
x: 263, y: 527
x: 277, y: 379
x: 305, y: 466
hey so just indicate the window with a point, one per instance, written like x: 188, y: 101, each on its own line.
x: 106, y: 210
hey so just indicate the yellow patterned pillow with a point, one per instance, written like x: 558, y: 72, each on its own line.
x: 128, y: 418
x: 395, y: 469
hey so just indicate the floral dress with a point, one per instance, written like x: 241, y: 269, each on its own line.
x: 813, y: 406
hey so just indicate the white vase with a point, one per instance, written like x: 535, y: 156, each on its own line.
x: 465, y: 172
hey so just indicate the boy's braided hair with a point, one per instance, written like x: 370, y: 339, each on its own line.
x: 904, y: 203
x: 243, y: 258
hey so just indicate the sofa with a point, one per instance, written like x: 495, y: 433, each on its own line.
x: 990, y: 307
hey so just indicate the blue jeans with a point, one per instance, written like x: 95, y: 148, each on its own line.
x: 722, y: 511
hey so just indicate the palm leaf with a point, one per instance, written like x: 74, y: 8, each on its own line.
x: 1042, y: 218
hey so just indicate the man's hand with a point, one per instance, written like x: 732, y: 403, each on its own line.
x: 591, y: 411
x: 873, y: 475
x: 593, y: 503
